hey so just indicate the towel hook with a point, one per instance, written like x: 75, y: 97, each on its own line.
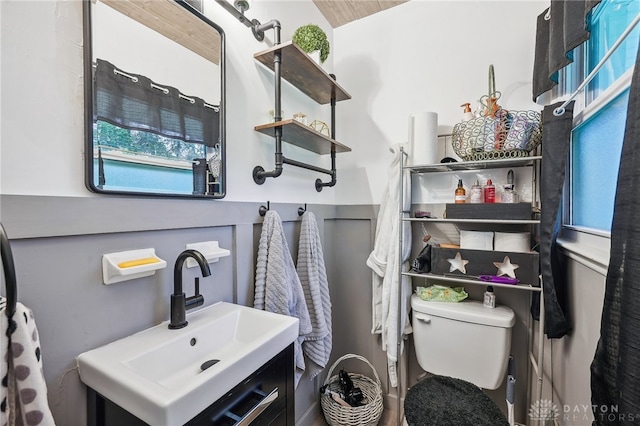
x: 262, y: 210
x: 302, y: 210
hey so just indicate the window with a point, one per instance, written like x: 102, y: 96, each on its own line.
x: 595, y: 157
x: 149, y: 137
x: 607, y: 22
x: 599, y: 126
x: 152, y: 161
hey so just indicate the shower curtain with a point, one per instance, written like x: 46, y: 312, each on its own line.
x: 556, y: 135
x: 615, y: 370
x: 560, y: 28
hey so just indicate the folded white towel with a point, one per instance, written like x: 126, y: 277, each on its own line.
x: 21, y: 369
x: 277, y: 287
x: 313, y: 276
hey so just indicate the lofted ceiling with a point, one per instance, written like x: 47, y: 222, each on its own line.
x: 340, y: 12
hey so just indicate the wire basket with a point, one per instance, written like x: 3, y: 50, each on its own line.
x: 498, y: 133
x: 367, y: 414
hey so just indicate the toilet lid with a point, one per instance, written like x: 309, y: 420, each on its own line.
x: 468, y: 310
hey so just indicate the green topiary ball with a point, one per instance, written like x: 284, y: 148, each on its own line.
x: 310, y: 37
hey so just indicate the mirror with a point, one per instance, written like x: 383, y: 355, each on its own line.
x: 155, y: 107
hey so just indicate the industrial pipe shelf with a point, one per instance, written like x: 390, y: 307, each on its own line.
x: 290, y: 63
x: 303, y: 136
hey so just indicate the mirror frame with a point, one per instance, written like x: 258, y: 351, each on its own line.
x: 88, y: 109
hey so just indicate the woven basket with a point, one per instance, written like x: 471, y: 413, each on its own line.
x: 367, y: 414
x: 498, y: 133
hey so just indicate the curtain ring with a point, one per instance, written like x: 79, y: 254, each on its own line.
x: 547, y: 15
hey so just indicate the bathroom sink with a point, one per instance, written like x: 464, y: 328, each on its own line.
x: 166, y: 377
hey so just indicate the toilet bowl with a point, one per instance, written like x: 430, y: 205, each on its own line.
x: 464, y: 340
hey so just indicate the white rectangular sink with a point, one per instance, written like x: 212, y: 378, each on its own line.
x: 157, y: 374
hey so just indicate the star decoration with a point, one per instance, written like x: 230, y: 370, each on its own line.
x: 506, y: 267
x: 458, y: 263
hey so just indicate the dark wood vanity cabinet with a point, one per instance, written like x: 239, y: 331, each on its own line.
x: 264, y: 398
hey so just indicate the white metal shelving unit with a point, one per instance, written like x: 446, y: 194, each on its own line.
x: 535, y: 360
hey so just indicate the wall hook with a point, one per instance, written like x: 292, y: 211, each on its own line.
x: 264, y: 209
x: 302, y: 210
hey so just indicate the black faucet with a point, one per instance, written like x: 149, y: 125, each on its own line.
x: 179, y: 302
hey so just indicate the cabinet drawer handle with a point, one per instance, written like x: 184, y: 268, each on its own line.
x: 258, y: 408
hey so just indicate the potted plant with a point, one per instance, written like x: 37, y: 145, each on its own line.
x: 310, y: 38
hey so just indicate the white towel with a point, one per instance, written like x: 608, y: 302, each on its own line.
x: 313, y: 276
x: 383, y: 260
x: 278, y: 287
x: 21, y: 369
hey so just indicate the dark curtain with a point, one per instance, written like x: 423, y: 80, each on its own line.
x: 138, y: 105
x: 556, y: 136
x: 560, y: 29
x: 615, y: 370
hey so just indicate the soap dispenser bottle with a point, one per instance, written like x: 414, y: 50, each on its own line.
x: 467, y: 114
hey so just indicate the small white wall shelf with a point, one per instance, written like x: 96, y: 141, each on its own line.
x: 211, y: 250
x: 129, y: 265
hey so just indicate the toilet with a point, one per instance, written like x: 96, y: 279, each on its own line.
x: 466, y: 346
x: 463, y: 340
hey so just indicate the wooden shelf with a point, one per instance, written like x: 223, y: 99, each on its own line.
x: 302, y: 72
x: 174, y: 22
x: 303, y: 136
x: 474, y: 165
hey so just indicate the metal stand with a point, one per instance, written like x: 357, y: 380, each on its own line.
x: 535, y: 362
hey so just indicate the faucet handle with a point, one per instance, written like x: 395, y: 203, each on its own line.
x: 195, y: 300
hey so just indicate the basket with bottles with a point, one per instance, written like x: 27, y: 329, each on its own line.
x: 351, y: 399
x: 495, y: 132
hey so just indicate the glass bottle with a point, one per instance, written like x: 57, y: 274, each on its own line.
x: 461, y: 193
x: 476, y: 193
x: 489, y: 298
x: 489, y: 192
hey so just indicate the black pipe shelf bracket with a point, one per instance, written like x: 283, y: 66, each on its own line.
x: 291, y: 63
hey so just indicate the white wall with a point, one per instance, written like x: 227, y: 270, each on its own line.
x: 424, y: 55
x: 421, y: 55
x: 42, y: 102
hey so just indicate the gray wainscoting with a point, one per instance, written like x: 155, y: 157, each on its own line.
x: 58, y: 243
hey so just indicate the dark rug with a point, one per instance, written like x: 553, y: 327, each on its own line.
x: 445, y: 401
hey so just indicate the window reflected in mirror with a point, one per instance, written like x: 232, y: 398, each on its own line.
x: 156, y: 125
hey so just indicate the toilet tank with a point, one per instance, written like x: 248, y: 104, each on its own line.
x: 465, y: 340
